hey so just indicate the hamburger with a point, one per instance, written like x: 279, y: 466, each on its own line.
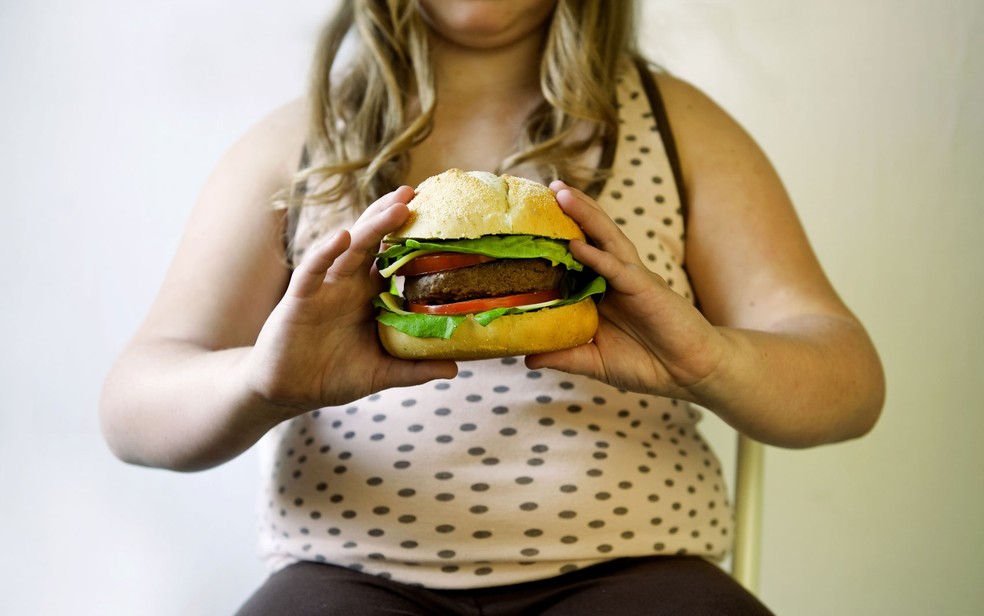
x: 481, y: 269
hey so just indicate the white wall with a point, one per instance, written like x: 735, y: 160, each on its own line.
x: 873, y: 112
x: 113, y: 113
x: 111, y: 117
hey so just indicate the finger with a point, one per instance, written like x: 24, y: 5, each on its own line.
x: 403, y: 194
x: 596, y: 224
x: 381, y: 206
x: 559, y: 185
x: 629, y: 278
x: 583, y: 360
x: 384, y: 216
x: 311, y: 271
x: 405, y: 373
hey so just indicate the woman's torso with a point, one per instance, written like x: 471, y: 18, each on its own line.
x: 504, y: 475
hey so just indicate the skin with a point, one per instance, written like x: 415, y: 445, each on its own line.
x: 652, y: 340
x: 773, y: 351
x: 484, y: 25
x: 488, y: 81
x: 235, y: 343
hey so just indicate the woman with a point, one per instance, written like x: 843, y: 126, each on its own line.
x: 556, y: 486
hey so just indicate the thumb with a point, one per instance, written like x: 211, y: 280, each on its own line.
x: 403, y: 373
x: 583, y: 360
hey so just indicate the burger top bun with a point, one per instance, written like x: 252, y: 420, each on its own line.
x: 457, y: 204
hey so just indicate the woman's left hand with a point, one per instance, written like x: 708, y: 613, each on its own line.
x: 649, y: 339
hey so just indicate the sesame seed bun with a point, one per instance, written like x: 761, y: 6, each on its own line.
x: 458, y: 205
x: 467, y: 204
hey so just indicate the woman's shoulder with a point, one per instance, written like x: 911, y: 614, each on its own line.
x: 685, y: 102
x: 702, y: 128
x: 687, y: 107
x: 288, y: 121
x: 273, y: 145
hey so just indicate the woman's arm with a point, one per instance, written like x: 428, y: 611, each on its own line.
x: 800, y: 369
x: 774, y: 352
x: 234, y: 344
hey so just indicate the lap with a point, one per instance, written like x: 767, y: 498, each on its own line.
x: 652, y: 587
x: 309, y: 589
x: 642, y: 586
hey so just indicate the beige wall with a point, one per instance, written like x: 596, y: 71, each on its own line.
x: 873, y: 112
x: 113, y: 112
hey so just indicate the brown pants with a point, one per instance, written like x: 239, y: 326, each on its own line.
x: 627, y: 587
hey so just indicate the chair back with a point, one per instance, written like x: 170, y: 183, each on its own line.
x: 749, y: 471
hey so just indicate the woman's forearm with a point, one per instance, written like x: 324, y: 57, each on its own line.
x: 177, y: 406
x: 808, y: 381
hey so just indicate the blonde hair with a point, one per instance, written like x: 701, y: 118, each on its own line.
x: 367, y: 116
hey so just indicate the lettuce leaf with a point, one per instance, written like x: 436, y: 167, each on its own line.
x: 419, y: 325
x: 498, y: 246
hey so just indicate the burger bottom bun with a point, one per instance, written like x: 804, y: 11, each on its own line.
x: 550, y: 329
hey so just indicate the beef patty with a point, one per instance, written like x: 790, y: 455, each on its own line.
x: 492, y: 279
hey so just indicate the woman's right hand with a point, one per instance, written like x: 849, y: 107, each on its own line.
x: 319, y: 347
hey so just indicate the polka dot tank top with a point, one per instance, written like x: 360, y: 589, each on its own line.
x: 506, y: 475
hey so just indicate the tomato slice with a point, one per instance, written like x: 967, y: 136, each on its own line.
x: 439, y: 262
x: 486, y: 303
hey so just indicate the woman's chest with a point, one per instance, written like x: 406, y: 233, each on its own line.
x: 478, y: 144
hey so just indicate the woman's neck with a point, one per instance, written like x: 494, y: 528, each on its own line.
x: 483, y: 99
x: 510, y: 72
